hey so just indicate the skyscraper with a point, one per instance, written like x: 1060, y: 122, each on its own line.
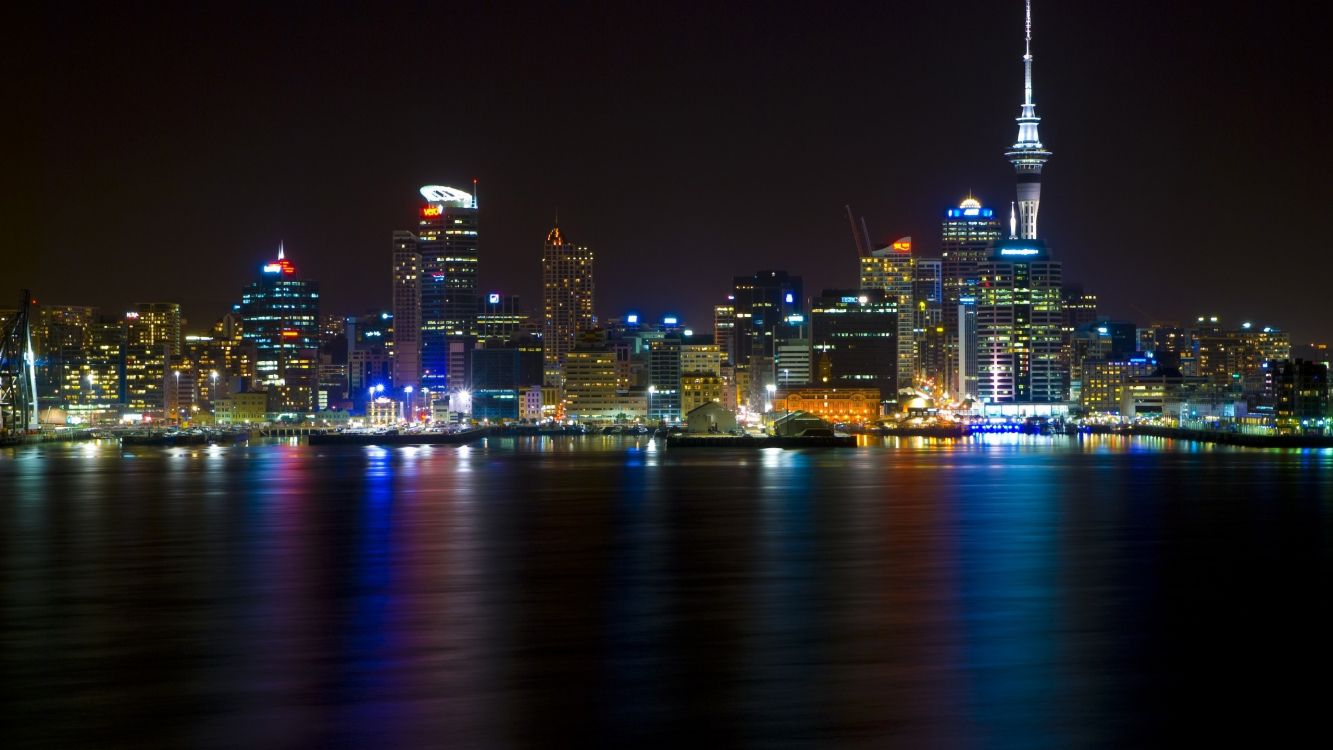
x: 966, y: 234
x: 767, y: 310
x: 890, y: 270
x: 447, y: 241
x: 152, y: 338
x: 567, y: 300
x: 406, y: 310
x: 279, y: 314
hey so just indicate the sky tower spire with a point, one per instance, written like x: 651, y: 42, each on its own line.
x: 1027, y: 154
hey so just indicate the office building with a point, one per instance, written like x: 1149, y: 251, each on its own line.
x: 854, y: 340
x: 447, y: 241
x: 406, y: 313
x: 891, y: 270
x: 567, y: 299
x: 966, y: 234
x: 279, y: 316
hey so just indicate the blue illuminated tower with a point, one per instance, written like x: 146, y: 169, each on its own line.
x: 1027, y: 154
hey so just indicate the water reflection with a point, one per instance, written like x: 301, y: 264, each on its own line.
x: 1005, y: 591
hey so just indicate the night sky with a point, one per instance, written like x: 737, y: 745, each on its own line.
x: 162, y: 153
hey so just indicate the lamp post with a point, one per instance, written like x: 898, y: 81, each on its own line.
x: 177, y: 397
x: 407, y: 403
x: 652, y: 389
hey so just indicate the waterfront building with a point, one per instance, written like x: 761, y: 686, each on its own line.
x: 279, y: 314
x: 241, y: 408
x: 836, y: 405
x: 724, y: 328
x: 447, y: 241
x: 567, y: 299
x: 853, y: 335
x: 664, y: 379
x: 1301, y: 394
x: 591, y: 395
x: 891, y: 270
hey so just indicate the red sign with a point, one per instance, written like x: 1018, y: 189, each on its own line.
x: 430, y: 212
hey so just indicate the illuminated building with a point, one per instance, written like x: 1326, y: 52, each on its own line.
x: 964, y: 371
x: 928, y: 320
x: 700, y: 374
x: 446, y: 240
x: 567, y: 299
x: 836, y: 405
x: 1028, y: 155
x: 724, y: 328
x: 501, y: 318
x: 890, y: 270
x: 793, y: 362
x: 854, y: 338
x: 1019, y: 326
x: 664, y: 380
x: 62, y: 338
x: 1301, y: 391
x: 152, y: 338
x: 591, y: 394
x: 763, y: 306
x: 406, y: 348
x: 966, y: 234
x: 279, y: 315
x: 1103, y: 382
x: 242, y: 408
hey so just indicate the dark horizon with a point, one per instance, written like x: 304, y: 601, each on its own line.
x: 161, y: 155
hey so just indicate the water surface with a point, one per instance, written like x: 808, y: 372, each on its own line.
x: 606, y: 592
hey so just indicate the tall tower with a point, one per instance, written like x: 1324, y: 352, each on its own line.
x: 891, y: 269
x: 567, y: 300
x: 1027, y: 154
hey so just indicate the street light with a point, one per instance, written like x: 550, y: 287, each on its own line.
x: 407, y: 401
x: 652, y: 389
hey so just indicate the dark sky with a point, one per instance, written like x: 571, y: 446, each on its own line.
x: 162, y: 153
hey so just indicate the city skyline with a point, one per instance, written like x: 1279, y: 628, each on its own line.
x: 729, y: 210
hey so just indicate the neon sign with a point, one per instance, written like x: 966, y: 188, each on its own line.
x: 430, y: 211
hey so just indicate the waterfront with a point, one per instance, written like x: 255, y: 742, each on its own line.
x: 1008, y: 591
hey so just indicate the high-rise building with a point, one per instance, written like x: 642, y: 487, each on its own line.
x: 152, y: 338
x: 62, y: 339
x: 1019, y: 326
x: 768, y: 309
x: 1028, y: 155
x: 279, y: 315
x: 854, y: 340
x: 890, y: 270
x: 567, y: 299
x: 447, y: 242
x: 966, y: 234
x: 928, y: 321
x: 406, y: 349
